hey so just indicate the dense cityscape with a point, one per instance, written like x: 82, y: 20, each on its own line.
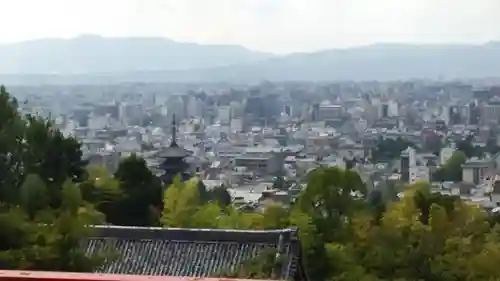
x: 302, y: 181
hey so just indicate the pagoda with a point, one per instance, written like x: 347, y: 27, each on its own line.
x: 174, y: 163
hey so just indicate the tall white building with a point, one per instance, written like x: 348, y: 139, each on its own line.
x: 490, y: 113
x: 237, y: 109
x: 413, y: 169
x: 130, y: 111
x: 236, y: 125
x: 409, y: 169
x: 393, y: 108
x: 224, y: 115
x: 194, y: 107
x: 387, y: 109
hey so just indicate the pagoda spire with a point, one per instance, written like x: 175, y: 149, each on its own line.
x: 174, y: 132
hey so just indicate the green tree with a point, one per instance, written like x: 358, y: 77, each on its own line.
x: 42, y: 215
x: 12, y: 128
x: 331, y: 196
x: 181, y: 203
x: 452, y: 169
x: 275, y: 217
x: 424, y: 200
x: 264, y: 266
x: 102, y: 190
x: 234, y: 219
x: 389, y: 149
x: 470, y: 150
x: 69, y: 227
x: 220, y: 195
x: 51, y: 154
x: 316, y: 261
x: 52, y: 242
x: 142, y: 194
x: 207, y: 216
x: 322, y: 213
x: 32, y: 145
x: 448, y: 245
x: 33, y: 195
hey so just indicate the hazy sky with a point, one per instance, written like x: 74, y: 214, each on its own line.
x: 279, y: 26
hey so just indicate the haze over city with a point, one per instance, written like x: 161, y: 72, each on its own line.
x: 277, y: 26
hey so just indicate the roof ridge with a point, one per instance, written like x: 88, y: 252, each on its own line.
x: 193, y: 234
x: 279, y: 230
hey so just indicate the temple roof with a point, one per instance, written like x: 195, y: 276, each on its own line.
x: 191, y: 252
x: 174, y: 152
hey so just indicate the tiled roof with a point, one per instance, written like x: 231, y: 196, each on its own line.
x: 174, y: 151
x: 191, y: 252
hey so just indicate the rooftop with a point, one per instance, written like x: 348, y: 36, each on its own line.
x: 476, y: 162
x: 190, y: 252
x: 174, y: 151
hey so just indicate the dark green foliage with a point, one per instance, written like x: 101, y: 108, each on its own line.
x: 389, y: 149
x: 452, y: 170
x: 220, y: 195
x: 14, y: 232
x: 377, y: 203
x: 424, y: 200
x: 34, y: 196
x: 42, y: 215
x: 31, y: 145
x: 329, y: 198
x: 142, y: 194
x: 467, y: 146
x: 12, y: 130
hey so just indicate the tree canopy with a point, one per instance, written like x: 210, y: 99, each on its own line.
x: 42, y: 214
x: 389, y: 149
x: 452, y: 169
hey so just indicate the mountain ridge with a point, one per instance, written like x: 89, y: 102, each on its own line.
x: 90, y: 53
x: 226, y: 63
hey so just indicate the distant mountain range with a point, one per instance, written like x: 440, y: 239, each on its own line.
x: 92, y: 59
x: 90, y: 54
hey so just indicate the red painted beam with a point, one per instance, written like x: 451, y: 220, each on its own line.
x: 14, y: 275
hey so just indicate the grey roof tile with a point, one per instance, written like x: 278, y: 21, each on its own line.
x: 189, y: 252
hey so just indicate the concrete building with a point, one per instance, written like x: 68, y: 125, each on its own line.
x: 224, y: 115
x: 477, y: 171
x: 194, y: 107
x: 330, y: 111
x: 408, y: 165
x: 490, y: 113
